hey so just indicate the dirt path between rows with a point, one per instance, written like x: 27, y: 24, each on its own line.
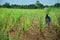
x: 34, y: 33
x: 50, y: 32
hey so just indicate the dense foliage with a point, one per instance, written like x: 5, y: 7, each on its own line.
x: 37, y: 5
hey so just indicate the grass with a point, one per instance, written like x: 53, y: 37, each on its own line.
x: 10, y: 17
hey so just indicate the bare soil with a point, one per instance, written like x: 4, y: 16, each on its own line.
x: 34, y: 33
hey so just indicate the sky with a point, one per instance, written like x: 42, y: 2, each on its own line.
x: 26, y: 2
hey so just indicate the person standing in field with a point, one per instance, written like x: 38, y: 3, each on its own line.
x: 47, y: 19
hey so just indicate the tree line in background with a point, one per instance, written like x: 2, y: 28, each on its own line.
x: 37, y: 5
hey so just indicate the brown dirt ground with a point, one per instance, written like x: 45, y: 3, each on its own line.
x: 34, y: 33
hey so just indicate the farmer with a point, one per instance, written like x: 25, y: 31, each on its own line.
x: 47, y: 18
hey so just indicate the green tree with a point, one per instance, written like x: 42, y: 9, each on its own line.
x: 6, y: 5
x: 57, y: 5
x: 39, y: 5
x: 0, y: 5
x: 32, y: 6
x: 15, y: 6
